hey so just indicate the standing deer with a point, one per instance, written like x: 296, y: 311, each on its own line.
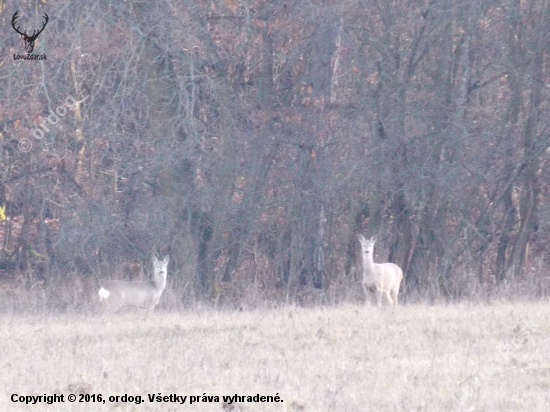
x: 119, y: 293
x: 379, y: 278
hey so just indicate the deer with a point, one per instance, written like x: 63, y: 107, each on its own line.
x: 379, y: 278
x: 29, y: 40
x: 119, y: 293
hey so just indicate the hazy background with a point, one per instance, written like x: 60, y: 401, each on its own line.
x: 251, y: 141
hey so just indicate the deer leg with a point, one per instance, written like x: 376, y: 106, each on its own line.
x: 379, y: 292
x: 395, y: 293
x: 387, y: 293
x: 366, y: 293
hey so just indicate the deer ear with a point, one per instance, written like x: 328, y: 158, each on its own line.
x: 360, y: 237
x: 166, y: 259
x: 155, y: 260
x: 373, y: 239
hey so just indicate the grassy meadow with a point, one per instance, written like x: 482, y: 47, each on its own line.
x: 455, y: 357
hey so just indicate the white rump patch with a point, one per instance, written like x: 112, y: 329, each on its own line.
x: 103, y: 294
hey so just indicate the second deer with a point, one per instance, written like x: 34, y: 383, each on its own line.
x: 379, y: 278
x: 118, y: 293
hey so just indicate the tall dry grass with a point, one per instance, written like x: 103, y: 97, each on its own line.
x: 349, y: 358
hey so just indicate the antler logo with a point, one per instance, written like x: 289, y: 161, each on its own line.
x: 29, y: 40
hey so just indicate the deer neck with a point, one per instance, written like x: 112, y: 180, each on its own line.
x: 160, y: 282
x: 368, y: 266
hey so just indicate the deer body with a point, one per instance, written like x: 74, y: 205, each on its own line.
x: 118, y: 293
x: 379, y: 278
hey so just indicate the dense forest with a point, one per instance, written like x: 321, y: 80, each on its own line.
x: 251, y: 140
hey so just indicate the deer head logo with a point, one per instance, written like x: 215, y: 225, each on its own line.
x: 29, y: 40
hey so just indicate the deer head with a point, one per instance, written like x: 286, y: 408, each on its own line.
x: 29, y: 40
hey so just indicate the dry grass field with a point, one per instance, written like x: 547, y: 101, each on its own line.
x: 350, y: 358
